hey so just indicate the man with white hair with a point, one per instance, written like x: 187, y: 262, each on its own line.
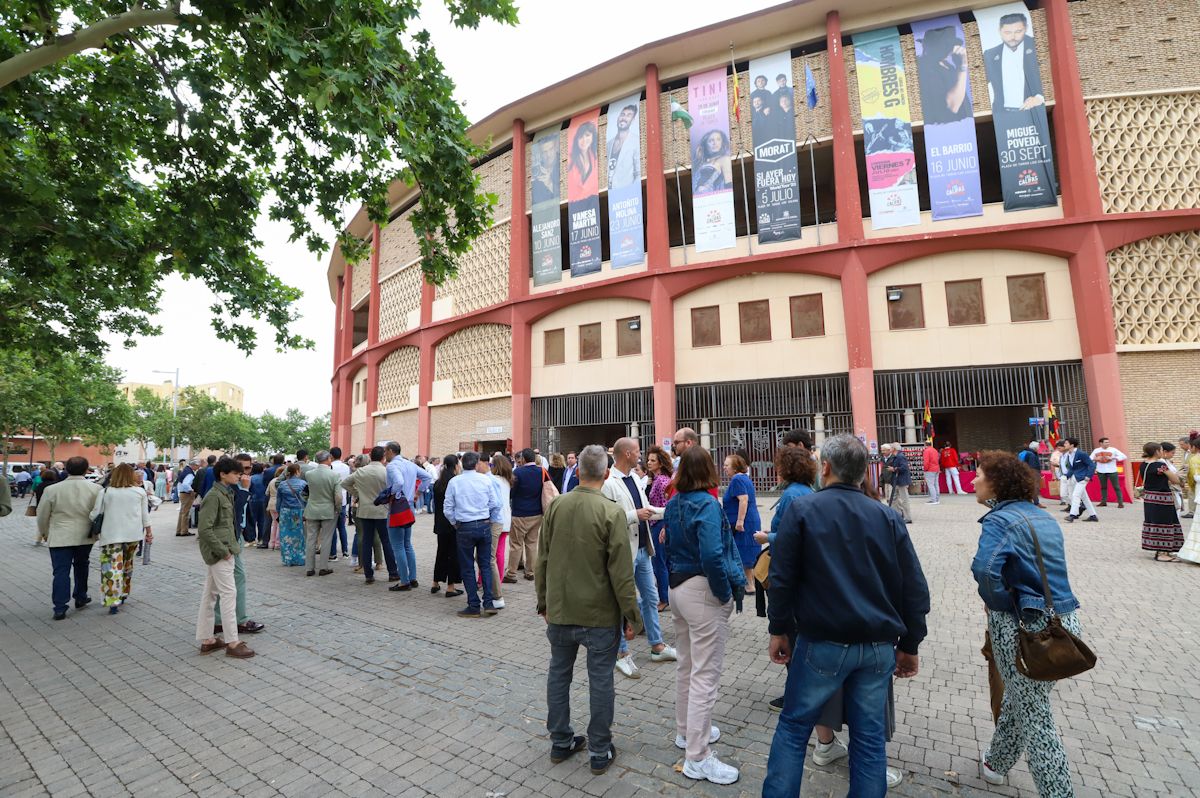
x: 324, y: 492
x: 187, y: 496
x: 895, y: 465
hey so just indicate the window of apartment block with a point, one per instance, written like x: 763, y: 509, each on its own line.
x: 629, y: 336
x: 906, y: 311
x: 554, y: 343
x: 589, y: 342
x: 706, y: 326
x: 754, y: 320
x: 808, y: 316
x: 964, y: 302
x: 1027, y: 298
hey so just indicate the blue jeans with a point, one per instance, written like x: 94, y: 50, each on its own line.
x: 368, y: 528
x: 475, y: 547
x: 402, y: 550
x: 643, y: 577
x: 662, y: 564
x: 339, y: 532
x: 818, y: 669
x: 65, y: 560
x: 259, y: 523
x: 427, y: 498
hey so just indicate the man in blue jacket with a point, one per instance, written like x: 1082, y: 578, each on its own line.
x: 1078, y: 467
x: 848, y: 601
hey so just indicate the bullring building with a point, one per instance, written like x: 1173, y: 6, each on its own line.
x: 867, y: 211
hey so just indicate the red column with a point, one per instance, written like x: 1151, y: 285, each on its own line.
x: 348, y: 313
x: 857, y: 316
x: 522, y: 377
x: 372, y: 398
x: 373, y: 307
x: 1072, y: 136
x: 845, y: 171
x: 518, y: 244
x: 337, y: 355
x: 334, y: 409
x: 658, y: 247
x: 424, y: 396
x: 662, y: 327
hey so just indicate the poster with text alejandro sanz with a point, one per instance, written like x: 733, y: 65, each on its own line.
x: 712, y: 162
x: 1010, y: 61
x: 773, y: 128
x: 951, y: 150
x: 623, y: 145
x: 544, y: 176
x: 887, y: 129
x: 583, y: 193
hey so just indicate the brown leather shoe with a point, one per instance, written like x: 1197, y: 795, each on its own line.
x: 239, y: 650
x: 208, y: 648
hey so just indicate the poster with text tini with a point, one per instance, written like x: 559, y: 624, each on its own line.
x: 712, y: 162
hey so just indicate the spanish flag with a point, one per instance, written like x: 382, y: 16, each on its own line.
x: 737, y: 89
x: 927, y: 424
x: 1052, y: 423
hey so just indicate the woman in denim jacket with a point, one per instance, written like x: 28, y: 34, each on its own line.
x: 1006, y: 570
x: 706, y: 582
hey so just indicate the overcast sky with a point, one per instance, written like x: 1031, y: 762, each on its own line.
x: 491, y: 67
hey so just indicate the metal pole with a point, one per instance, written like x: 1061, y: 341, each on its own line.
x: 174, y: 414
x: 741, y: 156
x: 812, y: 165
x: 678, y: 191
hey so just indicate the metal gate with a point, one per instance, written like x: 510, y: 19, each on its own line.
x: 633, y: 409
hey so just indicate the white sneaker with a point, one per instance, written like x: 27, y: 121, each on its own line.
x: 668, y: 654
x: 627, y: 666
x: 714, y: 734
x: 354, y: 561
x: 825, y: 754
x: 894, y: 776
x: 989, y: 775
x: 498, y: 603
x: 712, y: 769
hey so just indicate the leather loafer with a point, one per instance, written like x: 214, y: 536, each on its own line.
x: 250, y: 627
x: 368, y: 581
x: 324, y: 572
x: 393, y: 579
x: 81, y: 604
x: 239, y: 651
x: 208, y: 648
x: 310, y: 573
x: 58, y: 616
x: 509, y: 580
x: 399, y: 588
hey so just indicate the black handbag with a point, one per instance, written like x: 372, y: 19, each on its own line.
x: 1051, y: 653
x: 97, y: 525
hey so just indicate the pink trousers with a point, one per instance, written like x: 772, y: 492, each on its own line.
x: 701, y: 631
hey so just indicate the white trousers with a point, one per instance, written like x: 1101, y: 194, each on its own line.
x: 953, y: 485
x: 218, y: 581
x: 1079, y: 496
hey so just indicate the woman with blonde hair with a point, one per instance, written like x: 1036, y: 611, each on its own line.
x: 502, y: 472
x: 126, y: 523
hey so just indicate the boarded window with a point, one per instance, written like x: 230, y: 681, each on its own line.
x: 629, y: 336
x: 754, y: 320
x: 556, y: 348
x: 808, y: 316
x: 589, y: 342
x: 706, y: 326
x: 1027, y: 298
x: 905, y: 308
x: 964, y: 302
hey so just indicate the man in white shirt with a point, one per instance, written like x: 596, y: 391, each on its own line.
x: 339, y: 533
x: 1106, y: 459
x: 624, y: 488
x: 569, y: 474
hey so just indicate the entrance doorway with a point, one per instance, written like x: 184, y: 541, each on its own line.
x: 568, y: 423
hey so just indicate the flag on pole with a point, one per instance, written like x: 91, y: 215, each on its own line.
x: 737, y: 89
x: 927, y: 424
x: 810, y: 87
x: 1052, y: 422
x: 680, y: 113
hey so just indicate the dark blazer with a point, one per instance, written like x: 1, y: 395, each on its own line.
x: 901, y: 477
x: 992, y: 68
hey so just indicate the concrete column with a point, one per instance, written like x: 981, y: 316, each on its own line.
x: 819, y: 429
x: 910, y: 427
x: 705, y: 434
x: 858, y: 347
x: 845, y: 170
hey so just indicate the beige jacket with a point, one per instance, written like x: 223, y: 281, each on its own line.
x: 366, y: 483
x: 614, y: 489
x: 64, y: 514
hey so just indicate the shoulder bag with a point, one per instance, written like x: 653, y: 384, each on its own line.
x: 97, y: 525
x: 549, y: 491
x: 1052, y: 653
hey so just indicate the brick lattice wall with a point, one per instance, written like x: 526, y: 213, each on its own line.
x: 1158, y: 404
x: 400, y: 427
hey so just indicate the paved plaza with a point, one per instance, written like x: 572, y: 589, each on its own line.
x: 359, y: 691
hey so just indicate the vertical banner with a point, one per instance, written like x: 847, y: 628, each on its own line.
x: 951, y: 150
x: 583, y: 192
x: 1010, y: 61
x: 544, y: 163
x: 773, y: 127
x: 623, y: 143
x: 887, y: 129
x: 712, y: 165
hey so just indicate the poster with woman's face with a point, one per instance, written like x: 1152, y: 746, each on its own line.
x: 712, y: 170
x: 583, y: 192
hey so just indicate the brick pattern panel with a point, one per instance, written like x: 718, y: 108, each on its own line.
x: 358, y: 439
x: 482, y: 279
x: 399, y: 295
x: 451, y: 425
x: 397, y: 245
x: 1135, y: 45
x: 398, y: 372
x: 1152, y: 413
x: 1155, y: 283
x: 495, y: 177
x: 477, y: 359
x: 400, y: 427
x: 1147, y: 151
x: 360, y: 281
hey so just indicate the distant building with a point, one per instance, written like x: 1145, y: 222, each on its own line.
x: 225, y: 392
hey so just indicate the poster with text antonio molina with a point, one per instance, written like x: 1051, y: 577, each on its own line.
x: 1010, y: 61
x: 544, y: 176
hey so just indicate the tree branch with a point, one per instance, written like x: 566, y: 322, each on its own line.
x: 180, y: 108
x: 30, y: 61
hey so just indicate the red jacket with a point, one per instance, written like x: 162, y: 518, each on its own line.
x: 949, y: 457
x: 929, y: 460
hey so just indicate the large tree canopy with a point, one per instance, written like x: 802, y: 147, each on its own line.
x: 142, y: 138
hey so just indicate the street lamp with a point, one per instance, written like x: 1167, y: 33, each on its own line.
x: 174, y: 409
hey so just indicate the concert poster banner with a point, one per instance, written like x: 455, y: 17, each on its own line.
x: 887, y: 129
x: 712, y: 162
x: 623, y: 145
x: 1010, y: 61
x: 544, y: 172
x: 951, y: 149
x: 583, y: 192
x: 773, y: 129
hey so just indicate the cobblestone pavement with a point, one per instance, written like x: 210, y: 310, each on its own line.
x: 359, y: 691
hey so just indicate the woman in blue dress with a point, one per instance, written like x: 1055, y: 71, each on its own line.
x: 289, y: 501
x: 741, y: 510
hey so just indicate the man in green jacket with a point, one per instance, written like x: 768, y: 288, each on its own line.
x: 321, y: 513
x: 584, y: 589
x: 219, y: 544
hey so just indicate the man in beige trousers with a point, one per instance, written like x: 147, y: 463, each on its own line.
x: 321, y: 513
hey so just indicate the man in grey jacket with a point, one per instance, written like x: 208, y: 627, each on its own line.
x: 64, y: 520
x: 324, y: 493
x: 371, y: 519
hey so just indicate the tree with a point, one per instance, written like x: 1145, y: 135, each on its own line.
x: 315, y: 435
x: 143, y: 137
x: 281, y: 434
x: 23, y: 391
x: 153, y: 421
x: 81, y: 400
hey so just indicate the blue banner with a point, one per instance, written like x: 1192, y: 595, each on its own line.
x: 623, y: 145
